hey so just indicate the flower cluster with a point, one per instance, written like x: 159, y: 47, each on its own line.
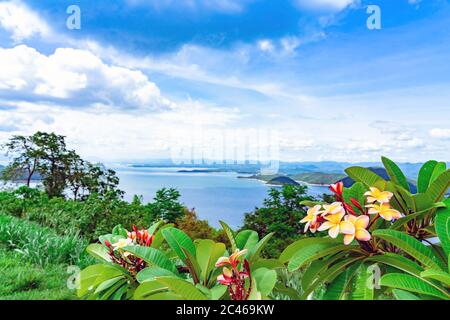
x: 232, y: 277
x: 341, y: 217
x: 124, y: 258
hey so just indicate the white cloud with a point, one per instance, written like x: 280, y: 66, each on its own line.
x: 440, y: 133
x: 78, y: 75
x: 327, y: 5
x: 21, y: 22
x: 266, y: 45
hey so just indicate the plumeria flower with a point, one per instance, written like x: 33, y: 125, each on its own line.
x: 311, y: 218
x: 337, y: 189
x: 375, y: 195
x: 334, y: 224
x: 226, y: 278
x: 359, y: 225
x: 385, y: 211
x: 231, y: 260
x: 334, y: 208
x: 122, y: 243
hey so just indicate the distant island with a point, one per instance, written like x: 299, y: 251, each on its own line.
x: 312, y: 178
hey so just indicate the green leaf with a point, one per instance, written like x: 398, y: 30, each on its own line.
x: 230, y: 235
x: 154, y: 290
x: 246, y: 239
x: 411, y: 283
x: 362, y: 290
x: 267, y: 263
x: 438, y: 275
x: 94, y: 275
x: 425, y: 175
x: 265, y: 279
x: 337, y: 289
x: 182, y: 288
x: 364, y: 175
x: 411, y: 246
x: 314, y: 252
x: 397, y: 261
x: 152, y: 272
x: 330, y: 274
x: 438, y: 170
x: 119, y: 230
x: 192, y: 264
x: 442, y: 225
x: 296, y: 246
x: 404, y: 295
x: 153, y: 257
x: 439, y: 187
x: 208, y: 252
x: 177, y: 240
x: 99, y: 251
x: 318, y: 266
x: 154, y: 227
x: 395, y: 173
x: 256, y: 250
x: 280, y: 288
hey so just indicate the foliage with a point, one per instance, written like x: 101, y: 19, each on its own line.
x: 376, y: 222
x: 199, y: 229
x: 187, y: 269
x: 46, y: 155
x: 281, y: 214
x: 40, y: 245
x: 166, y: 206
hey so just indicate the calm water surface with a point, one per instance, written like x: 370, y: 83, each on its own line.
x: 215, y: 196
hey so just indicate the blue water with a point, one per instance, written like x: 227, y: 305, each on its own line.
x: 215, y: 196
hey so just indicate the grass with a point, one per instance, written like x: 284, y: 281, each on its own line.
x: 40, y: 245
x: 22, y: 280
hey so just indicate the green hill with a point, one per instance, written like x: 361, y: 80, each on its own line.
x: 318, y: 177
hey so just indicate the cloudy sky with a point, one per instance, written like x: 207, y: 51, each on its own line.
x: 141, y: 76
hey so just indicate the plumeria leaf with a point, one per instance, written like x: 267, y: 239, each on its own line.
x: 439, y: 187
x: 443, y: 228
x: 438, y: 275
x: 413, y: 284
x: 363, y: 290
x: 296, y: 246
x: 318, y: 266
x: 154, y: 290
x: 364, y: 175
x: 178, y: 240
x: 438, y: 170
x: 152, y: 256
x: 230, y: 235
x: 246, y: 239
x: 337, y: 289
x: 182, y: 288
x: 425, y: 174
x: 99, y: 251
x: 411, y: 246
x: 256, y: 250
x: 404, y: 295
x: 329, y: 275
x: 119, y: 230
x: 153, y: 272
x: 208, y: 252
x: 265, y: 279
x: 314, y: 252
x: 395, y: 173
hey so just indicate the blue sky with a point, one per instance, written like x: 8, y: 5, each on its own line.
x: 142, y: 77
